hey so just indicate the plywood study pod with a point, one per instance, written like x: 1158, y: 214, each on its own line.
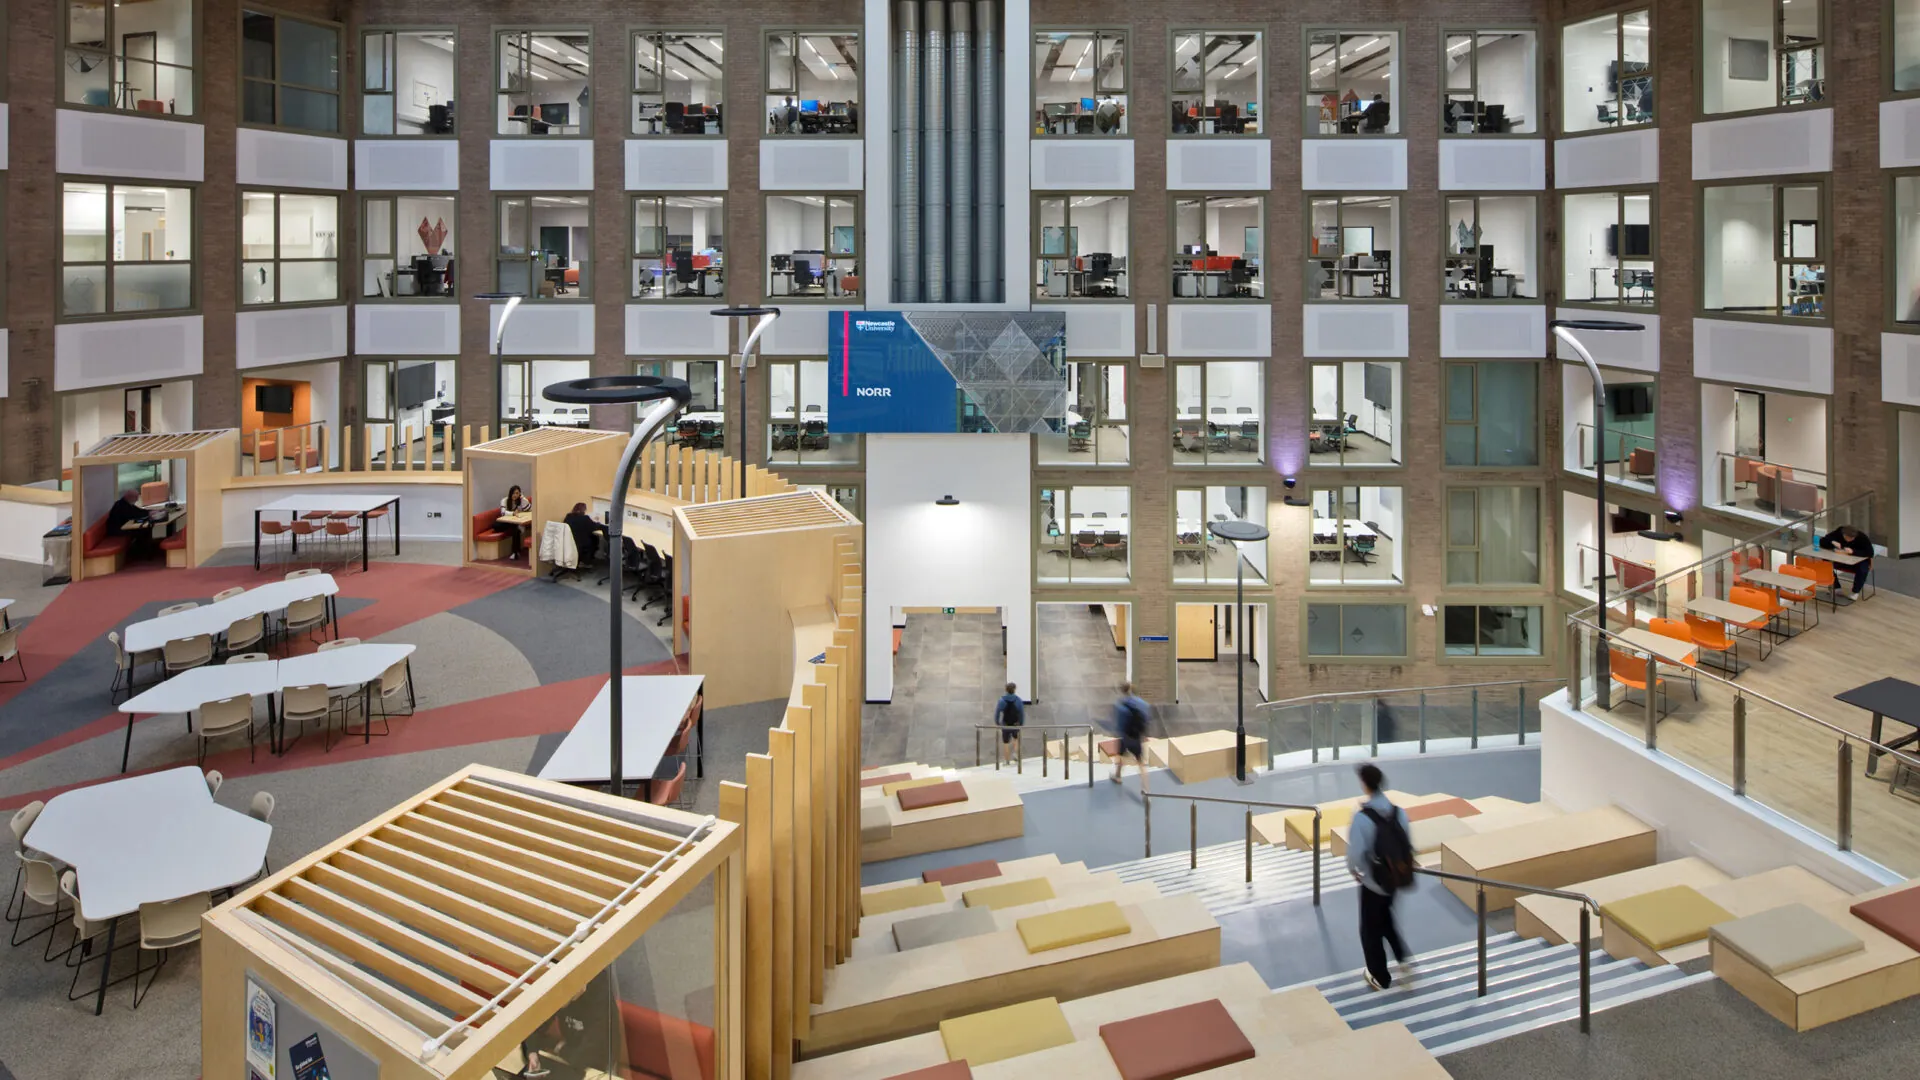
x: 177, y: 478
x: 493, y: 926
x: 555, y: 467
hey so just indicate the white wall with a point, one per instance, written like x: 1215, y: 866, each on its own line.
x: 977, y: 554
x: 1720, y: 21
x: 421, y: 61
x: 1507, y: 77
x: 1909, y: 458
x: 1716, y: 436
x: 1381, y: 506
x: 1374, y: 420
x: 417, y: 501
x: 1509, y: 224
x: 1797, y: 431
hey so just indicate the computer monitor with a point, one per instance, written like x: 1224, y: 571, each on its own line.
x: 810, y: 105
x: 1087, y: 104
x: 1058, y: 108
x: 1253, y: 108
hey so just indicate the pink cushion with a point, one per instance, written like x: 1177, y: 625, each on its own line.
x: 920, y: 798
x: 1896, y: 915
x: 1178, y: 1042
x: 1443, y: 808
x: 964, y: 872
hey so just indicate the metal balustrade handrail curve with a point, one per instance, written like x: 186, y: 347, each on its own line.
x: 1335, y: 695
x: 1589, y: 907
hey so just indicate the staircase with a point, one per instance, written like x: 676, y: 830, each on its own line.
x: 1027, y: 777
x: 1220, y: 880
x: 1530, y: 984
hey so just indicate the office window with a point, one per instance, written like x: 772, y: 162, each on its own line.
x: 707, y: 379
x: 1094, y: 429
x: 544, y: 247
x: 1351, y: 246
x: 1761, y: 54
x: 1765, y: 250
x: 1353, y: 79
x: 1607, y: 249
x: 1364, y: 630
x: 1219, y: 411
x: 409, y: 410
x: 813, y: 246
x: 1905, y: 67
x: 678, y: 82
x: 523, y: 400
x: 407, y: 245
x: 1495, y: 630
x: 139, y: 58
x: 797, y: 422
x: 1082, y: 242
x: 677, y: 246
x: 541, y: 82
x: 1629, y: 407
x: 1492, y: 246
x: 1493, y: 535
x: 1355, y: 536
x: 813, y: 82
x: 1606, y: 72
x: 1765, y: 451
x: 1492, y: 82
x: 1217, y: 249
x: 1355, y: 413
x: 1199, y: 557
x: 1492, y: 414
x: 125, y: 247
x: 1216, y: 82
x: 1084, y: 534
x: 289, y: 247
x: 407, y: 82
x: 1080, y: 82
x: 1906, y: 248
x: 289, y: 72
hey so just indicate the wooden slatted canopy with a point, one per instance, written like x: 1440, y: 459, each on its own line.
x: 134, y: 446
x: 546, y: 440
x: 441, y: 934
x: 765, y: 514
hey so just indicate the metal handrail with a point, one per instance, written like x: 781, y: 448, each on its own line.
x: 1334, y: 694
x: 1418, y: 692
x: 1019, y: 748
x: 1193, y: 828
x: 1589, y: 907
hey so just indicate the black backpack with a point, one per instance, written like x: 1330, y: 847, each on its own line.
x: 1392, y: 854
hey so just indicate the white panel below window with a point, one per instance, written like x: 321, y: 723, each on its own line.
x: 1774, y: 144
x: 289, y: 336
x: 1082, y: 164
x: 1096, y: 329
x: 107, y: 144
x: 117, y: 351
x: 1899, y: 369
x: 1353, y: 164
x: 676, y: 330
x: 1354, y: 330
x: 799, y: 331
x: 286, y: 159
x: 406, y: 329
x: 1493, y: 164
x: 1633, y: 351
x: 1493, y: 331
x: 804, y: 164
x: 540, y: 165
x: 1900, y: 133
x: 1216, y: 330
x: 676, y: 164
x: 3, y: 362
x: 1222, y: 163
x: 406, y: 165
x: 1615, y: 159
x: 4, y: 132
x: 1763, y: 354
x: 544, y: 329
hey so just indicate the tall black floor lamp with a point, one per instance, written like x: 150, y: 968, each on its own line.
x: 1239, y: 532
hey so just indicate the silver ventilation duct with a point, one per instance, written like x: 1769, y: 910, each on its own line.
x: 935, y: 196
x: 960, y: 284
x: 908, y: 57
x: 989, y: 220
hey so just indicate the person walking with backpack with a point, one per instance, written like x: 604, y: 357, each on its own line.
x: 1380, y: 857
x: 1130, y: 717
x: 1011, y: 714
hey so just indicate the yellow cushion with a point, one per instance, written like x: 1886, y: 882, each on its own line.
x: 1003, y: 1033
x: 1010, y: 894
x: 925, y: 781
x: 1074, y: 926
x: 907, y: 896
x: 1666, y: 917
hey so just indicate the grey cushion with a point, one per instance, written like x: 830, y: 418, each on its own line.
x: 923, y: 930
x: 875, y: 823
x: 1786, y: 939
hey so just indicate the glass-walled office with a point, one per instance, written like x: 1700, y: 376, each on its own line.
x: 1904, y: 258
x: 1201, y: 558
x: 289, y: 247
x: 1493, y: 535
x: 1356, y: 417
x: 1219, y: 413
x: 1355, y: 536
x: 1356, y: 631
x: 1492, y: 248
x: 407, y: 82
x: 544, y: 246
x: 1492, y: 81
x: 136, y: 57
x: 1764, y: 452
x: 1093, y: 430
x: 125, y: 247
x: 1765, y: 249
x: 1084, y: 535
x: 1761, y: 54
x: 813, y: 246
x: 523, y: 399
x: 1607, y: 248
x: 541, y: 81
x: 1217, y: 82
x: 1630, y: 409
x: 1606, y: 72
x: 1631, y: 558
x: 1352, y: 244
x: 1491, y: 631
x: 289, y: 72
x: 678, y: 82
x: 798, y: 424
x: 1082, y: 246
x: 410, y: 407
x: 407, y: 245
x: 1492, y: 416
x: 1353, y: 81
x: 678, y: 247
x: 1905, y: 68
x: 1217, y: 246
x: 1080, y: 82
x: 813, y: 82
x: 702, y: 425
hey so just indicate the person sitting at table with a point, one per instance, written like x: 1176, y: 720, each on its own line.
x: 586, y: 532
x: 128, y: 511
x: 516, y: 502
x: 1854, y: 542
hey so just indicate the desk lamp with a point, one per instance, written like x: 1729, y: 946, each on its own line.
x: 763, y: 317
x: 1239, y: 532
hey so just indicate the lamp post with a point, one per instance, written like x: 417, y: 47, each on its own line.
x: 500, y: 339
x: 1567, y: 330
x: 669, y: 397
x: 762, y: 318
x: 1239, y: 532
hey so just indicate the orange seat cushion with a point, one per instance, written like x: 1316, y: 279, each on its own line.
x: 1443, y: 808
x: 1175, y: 1043
x: 964, y: 872
x: 946, y: 1070
x: 876, y: 781
x: 1110, y: 747
x: 176, y: 542
x: 666, y: 1047
x: 920, y: 798
x: 1896, y: 914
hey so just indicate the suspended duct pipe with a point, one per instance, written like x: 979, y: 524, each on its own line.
x: 960, y: 273
x: 988, y: 219
x: 935, y: 198
x: 907, y: 260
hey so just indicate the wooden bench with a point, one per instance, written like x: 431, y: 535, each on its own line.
x: 1883, y: 972
x: 1209, y: 755
x: 1739, y: 897
x: 1551, y: 853
x: 1558, y: 921
x: 991, y: 811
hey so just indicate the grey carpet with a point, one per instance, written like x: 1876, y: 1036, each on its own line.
x: 562, y: 632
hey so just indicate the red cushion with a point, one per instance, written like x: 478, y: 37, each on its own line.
x: 946, y: 1070
x: 95, y: 533
x: 955, y: 875
x: 490, y: 534
x: 888, y: 778
x: 1110, y: 747
x: 99, y: 544
x: 919, y: 798
x: 1177, y: 1042
x: 1442, y: 808
x: 483, y: 523
x: 665, y: 1046
x: 176, y: 542
x: 1896, y: 914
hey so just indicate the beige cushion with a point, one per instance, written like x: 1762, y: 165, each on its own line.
x: 1667, y: 917
x: 876, y: 823
x: 1003, y: 1033
x: 918, y: 894
x: 1427, y: 836
x: 923, y: 930
x: 1786, y: 938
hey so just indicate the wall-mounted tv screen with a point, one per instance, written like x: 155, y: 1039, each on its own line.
x: 1627, y: 521
x: 413, y: 386
x: 1638, y: 241
x: 273, y: 399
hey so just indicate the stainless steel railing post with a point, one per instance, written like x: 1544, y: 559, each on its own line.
x: 1316, y: 858
x: 1845, y: 839
x: 1653, y: 703
x: 1193, y: 836
x: 1739, y: 745
x: 1474, y: 730
x: 1249, y: 845
x: 1480, y: 906
x: 1586, y: 967
x: 1146, y: 812
x: 1423, y: 721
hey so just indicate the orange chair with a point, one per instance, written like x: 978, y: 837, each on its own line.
x: 666, y: 791
x: 1630, y: 671
x: 1760, y: 600
x: 1679, y: 631
x: 1809, y: 597
x: 1711, y: 635
x: 1823, y: 576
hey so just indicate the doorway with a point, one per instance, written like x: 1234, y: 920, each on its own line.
x: 949, y: 667
x: 1750, y: 424
x: 1207, y: 640
x: 1083, y: 652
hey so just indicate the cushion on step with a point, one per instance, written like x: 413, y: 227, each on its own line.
x: 1010, y: 894
x: 1896, y: 915
x: 1073, y: 926
x: 1786, y: 938
x: 1664, y: 918
x: 1455, y: 807
x: 925, y: 781
x: 1175, y: 1043
x: 919, y: 894
x: 920, y: 798
x: 961, y: 873
x: 875, y: 822
x: 946, y: 1070
x: 1110, y: 747
x: 924, y: 930
x: 1427, y: 836
x: 998, y: 1034
x: 176, y: 542
x: 884, y: 778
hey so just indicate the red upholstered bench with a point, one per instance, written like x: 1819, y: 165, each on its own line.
x: 919, y: 798
x: 1443, y: 808
x: 1175, y: 1043
x: 961, y: 873
x: 886, y: 778
x: 489, y: 542
x: 661, y: 1047
x: 176, y: 548
x: 103, y: 553
x: 1896, y: 914
x: 946, y: 1070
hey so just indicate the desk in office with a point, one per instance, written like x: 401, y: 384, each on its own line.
x: 825, y: 280
x: 704, y: 417
x: 1202, y: 279
x: 1324, y: 532
x: 1349, y: 274
x: 1218, y: 419
x: 1621, y: 288
x: 1078, y: 523
x: 1080, y: 277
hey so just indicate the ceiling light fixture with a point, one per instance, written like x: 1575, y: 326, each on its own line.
x: 544, y: 47
x: 946, y: 500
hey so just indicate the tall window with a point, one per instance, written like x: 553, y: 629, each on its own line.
x: 289, y: 72
x: 1906, y: 46
x: 407, y: 82
x: 677, y: 246
x: 813, y: 82
x: 411, y: 403
x: 138, y: 57
x: 407, y: 245
x: 1216, y: 250
x: 1199, y: 557
x: 1491, y: 248
x: 1356, y: 536
x: 1217, y: 88
x: 1492, y: 82
x: 1093, y: 430
x: 1353, y: 82
x: 523, y: 394
x: 125, y: 247
x: 545, y: 246
x: 1493, y: 536
x: 678, y: 81
x: 289, y: 247
x: 813, y: 246
x: 1356, y: 413
x: 1607, y: 248
x: 1906, y: 249
x: 798, y: 431
x: 1080, y: 82
x: 1765, y: 249
x: 1085, y: 535
x: 1082, y: 244
x: 703, y: 426
x: 1362, y: 630
x: 1219, y: 413
x: 1761, y: 54
x: 540, y: 85
x: 1629, y: 406
x: 1606, y: 72
x: 1492, y: 414
x: 1491, y: 630
x: 1351, y: 244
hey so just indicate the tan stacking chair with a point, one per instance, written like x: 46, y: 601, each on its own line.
x: 165, y: 927
x: 303, y: 703
x: 226, y: 716
x: 176, y: 609
x: 338, y: 643
x: 214, y: 779
x: 85, y: 930
x: 308, y: 615
x: 246, y: 632
x: 40, y: 883
x: 182, y: 654
x: 392, y: 683
x: 10, y: 650
x: 248, y: 658
x: 228, y: 594
x: 126, y: 665
x: 308, y: 572
x: 23, y: 820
